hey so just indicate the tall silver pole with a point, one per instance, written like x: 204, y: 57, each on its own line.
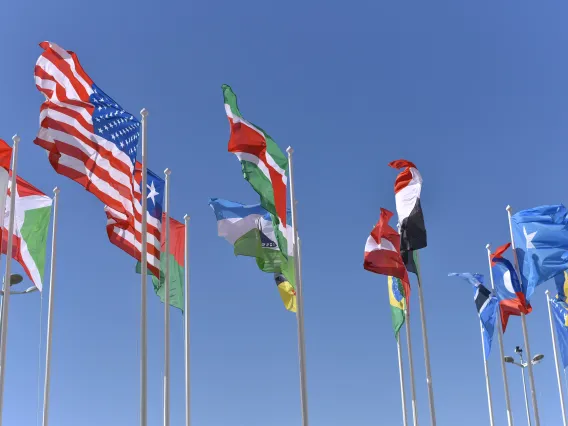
x: 411, y: 369
x: 487, y: 382
x: 402, y: 388
x: 525, y: 330
x: 556, y: 362
x: 525, y: 392
x: 166, y: 255
x: 501, y: 349
x: 8, y: 272
x: 144, y: 283
x: 299, y: 296
x: 50, y: 311
x: 186, y: 329
x: 426, y: 349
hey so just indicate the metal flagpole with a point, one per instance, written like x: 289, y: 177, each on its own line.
x: 6, y: 296
x: 50, y: 311
x: 555, y: 350
x: 487, y: 382
x: 402, y: 389
x: 426, y: 347
x: 299, y: 296
x: 186, y: 330
x: 525, y: 330
x: 501, y: 349
x: 166, y: 253
x: 144, y: 274
x: 411, y: 369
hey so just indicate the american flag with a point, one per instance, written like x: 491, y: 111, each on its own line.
x: 89, y: 137
x: 129, y: 238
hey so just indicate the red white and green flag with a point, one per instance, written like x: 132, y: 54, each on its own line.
x: 264, y: 165
x: 31, y: 228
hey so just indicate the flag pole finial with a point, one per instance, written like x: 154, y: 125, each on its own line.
x: 547, y: 292
x: 144, y: 112
x: 167, y: 172
x: 186, y: 218
x: 488, y: 246
x: 56, y: 190
x: 508, y: 208
x: 289, y: 150
x: 16, y: 138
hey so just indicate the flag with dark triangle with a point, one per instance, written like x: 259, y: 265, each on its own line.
x: 382, y: 252
x: 407, y: 189
x: 486, y: 304
x: 512, y: 300
x: 287, y: 292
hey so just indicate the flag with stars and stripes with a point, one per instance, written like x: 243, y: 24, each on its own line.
x: 129, y: 237
x: 89, y: 137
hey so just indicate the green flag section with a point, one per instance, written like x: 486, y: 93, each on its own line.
x: 176, y: 260
x: 263, y: 164
x: 31, y: 227
x: 397, y: 303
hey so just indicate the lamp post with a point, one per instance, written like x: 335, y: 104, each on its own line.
x: 536, y: 359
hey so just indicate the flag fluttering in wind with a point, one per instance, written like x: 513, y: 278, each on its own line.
x: 89, y: 137
x: 407, y: 189
x: 541, y: 237
x: 512, y: 300
x: 176, y: 260
x: 561, y: 281
x: 560, y: 318
x: 397, y: 303
x: 127, y: 235
x: 250, y: 229
x: 486, y: 304
x: 31, y: 227
x: 382, y: 252
x: 263, y: 164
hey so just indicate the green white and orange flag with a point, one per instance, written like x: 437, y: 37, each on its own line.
x: 263, y: 164
x: 31, y: 227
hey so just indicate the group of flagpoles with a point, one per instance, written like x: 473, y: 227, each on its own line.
x: 525, y: 330
x: 556, y: 363
x: 46, y: 387
x: 411, y: 369
x: 299, y: 295
x: 6, y: 296
x: 501, y: 349
x: 426, y: 346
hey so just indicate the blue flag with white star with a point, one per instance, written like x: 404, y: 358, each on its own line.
x: 541, y: 237
x: 486, y: 304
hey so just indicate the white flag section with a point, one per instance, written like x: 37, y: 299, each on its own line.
x: 31, y: 227
x: 4, y: 181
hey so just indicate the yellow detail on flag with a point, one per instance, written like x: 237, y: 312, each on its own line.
x: 287, y: 292
x: 396, y: 297
x: 565, y: 285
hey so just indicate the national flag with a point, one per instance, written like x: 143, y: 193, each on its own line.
x: 382, y: 252
x: 89, y: 137
x: 176, y: 259
x: 127, y: 235
x: 486, y: 304
x: 5, y: 164
x: 541, y: 237
x: 31, y: 227
x: 397, y: 303
x: 560, y: 318
x: 407, y: 189
x: 250, y: 229
x: 561, y: 281
x: 512, y: 300
x: 263, y: 164
x: 287, y: 292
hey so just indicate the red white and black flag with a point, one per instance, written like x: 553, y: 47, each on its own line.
x: 407, y: 188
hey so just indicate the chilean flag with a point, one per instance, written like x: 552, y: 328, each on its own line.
x: 512, y: 300
x: 382, y: 252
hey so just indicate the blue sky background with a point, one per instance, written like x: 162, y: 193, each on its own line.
x: 473, y: 92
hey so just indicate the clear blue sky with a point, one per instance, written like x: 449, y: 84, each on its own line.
x: 473, y: 92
